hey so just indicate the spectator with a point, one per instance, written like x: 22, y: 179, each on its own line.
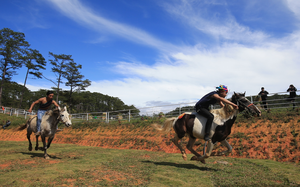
x: 292, y: 89
x: 264, y: 94
x: 7, y: 124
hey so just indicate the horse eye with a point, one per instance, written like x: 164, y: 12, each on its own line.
x: 62, y: 115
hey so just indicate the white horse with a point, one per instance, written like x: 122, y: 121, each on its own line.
x: 48, y: 127
x: 193, y: 124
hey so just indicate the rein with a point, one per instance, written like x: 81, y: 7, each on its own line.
x: 241, y: 103
x: 59, y: 119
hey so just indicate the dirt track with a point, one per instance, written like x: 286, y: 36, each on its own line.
x: 262, y: 140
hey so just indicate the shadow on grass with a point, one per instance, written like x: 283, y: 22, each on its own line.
x: 186, y: 166
x: 41, y: 155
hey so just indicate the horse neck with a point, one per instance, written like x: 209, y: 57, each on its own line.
x: 223, y: 114
x: 229, y: 123
x: 54, y: 120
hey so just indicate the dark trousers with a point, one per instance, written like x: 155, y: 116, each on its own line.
x: 264, y: 103
x: 292, y: 100
x: 6, y: 125
x: 210, y: 118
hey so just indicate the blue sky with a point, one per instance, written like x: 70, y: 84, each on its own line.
x: 153, y: 52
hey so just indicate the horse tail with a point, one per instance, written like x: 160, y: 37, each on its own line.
x: 26, y: 124
x: 166, y: 127
x: 22, y: 127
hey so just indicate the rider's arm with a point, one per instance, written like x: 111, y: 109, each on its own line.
x: 53, y: 102
x: 35, y: 102
x: 221, y: 104
x: 221, y: 99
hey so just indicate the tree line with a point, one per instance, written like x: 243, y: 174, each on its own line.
x: 15, y: 53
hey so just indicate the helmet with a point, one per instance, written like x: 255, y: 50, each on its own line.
x: 222, y: 87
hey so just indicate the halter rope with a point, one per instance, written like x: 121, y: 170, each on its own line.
x: 240, y: 103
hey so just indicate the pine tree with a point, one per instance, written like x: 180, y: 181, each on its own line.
x: 59, y: 68
x: 34, y: 62
x: 75, y: 79
x: 12, y: 46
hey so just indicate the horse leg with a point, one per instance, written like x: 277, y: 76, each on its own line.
x: 175, y: 141
x: 209, y: 149
x: 46, y: 156
x: 190, y: 145
x: 229, y: 148
x: 49, y: 141
x: 28, y: 137
x: 36, y: 142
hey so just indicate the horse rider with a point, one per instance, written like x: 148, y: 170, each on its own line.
x: 202, y: 106
x: 45, y: 104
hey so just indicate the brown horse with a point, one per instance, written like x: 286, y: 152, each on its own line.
x: 48, y: 127
x: 193, y: 124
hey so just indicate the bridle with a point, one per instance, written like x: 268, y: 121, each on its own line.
x: 239, y: 102
x: 59, y: 118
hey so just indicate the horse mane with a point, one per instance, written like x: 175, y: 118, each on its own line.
x: 54, y: 112
x: 223, y: 114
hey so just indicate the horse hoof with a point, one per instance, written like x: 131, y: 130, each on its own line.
x: 29, y: 148
x: 194, y: 158
x: 202, y: 161
x: 47, y: 157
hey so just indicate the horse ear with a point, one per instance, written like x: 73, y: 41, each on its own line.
x: 234, y: 93
x: 65, y: 108
x: 244, y: 93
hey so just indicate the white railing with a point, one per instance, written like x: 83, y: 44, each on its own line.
x: 165, y: 110
x: 16, y: 112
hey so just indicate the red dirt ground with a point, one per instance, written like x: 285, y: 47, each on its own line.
x: 261, y: 140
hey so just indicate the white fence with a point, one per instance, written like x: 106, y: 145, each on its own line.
x: 16, y: 112
x: 176, y: 109
x: 156, y: 111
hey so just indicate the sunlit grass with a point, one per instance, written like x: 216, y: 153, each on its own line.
x: 93, y: 166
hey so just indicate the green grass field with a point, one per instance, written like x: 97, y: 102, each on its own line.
x: 72, y: 165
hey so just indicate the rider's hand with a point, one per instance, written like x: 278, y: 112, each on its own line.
x: 236, y: 107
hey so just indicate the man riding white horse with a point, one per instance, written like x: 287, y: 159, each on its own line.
x: 45, y: 104
x: 202, y: 106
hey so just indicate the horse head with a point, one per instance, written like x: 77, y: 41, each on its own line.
x: 64, y: 117
x: 244, y: 104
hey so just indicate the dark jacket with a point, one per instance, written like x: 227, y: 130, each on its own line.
x: 206, y: 101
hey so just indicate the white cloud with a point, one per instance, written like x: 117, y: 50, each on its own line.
x: 35, y: 87
x: 239, y: 67
x: 193, y: 71
x: 224, y: 25
x: 294, y: 6
x: 75, y: 10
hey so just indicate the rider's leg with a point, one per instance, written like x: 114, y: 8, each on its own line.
x: 210, y: 117
x: 40, y: 114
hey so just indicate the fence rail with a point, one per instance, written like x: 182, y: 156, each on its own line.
x: 280, y: 101
x: 16, y: 112
x: 172, y: 110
